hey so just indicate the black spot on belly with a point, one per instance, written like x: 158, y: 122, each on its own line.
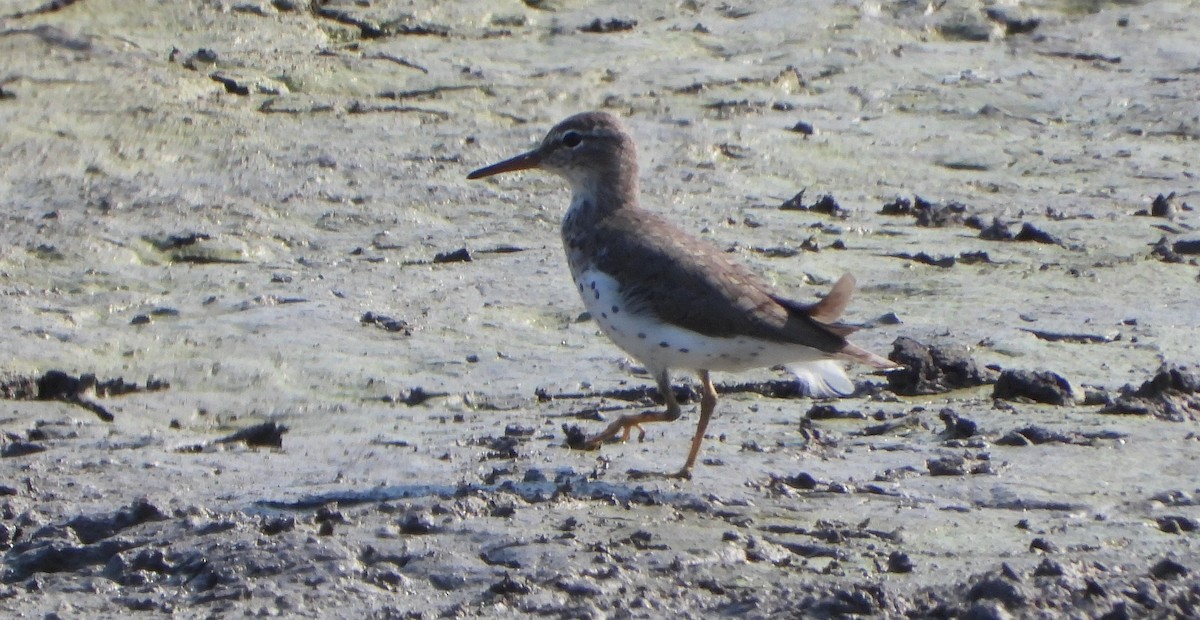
x: 604, y: 315
x: 682, y: 350
x: 593, y: 285
x: 642, y: 335
x: 664, y: 344
x: 615, y: 309
x: 581, y: 287
x: 597, y: 294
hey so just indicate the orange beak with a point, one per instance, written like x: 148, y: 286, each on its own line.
x: 524, y: 161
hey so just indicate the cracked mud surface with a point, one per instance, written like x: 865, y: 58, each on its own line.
x: 362, y: 363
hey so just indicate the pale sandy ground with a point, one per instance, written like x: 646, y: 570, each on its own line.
x: 327, y: 188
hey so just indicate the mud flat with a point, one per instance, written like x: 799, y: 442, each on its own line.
x: 267, y: 352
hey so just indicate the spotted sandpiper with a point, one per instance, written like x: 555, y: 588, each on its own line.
x: 670, y: 300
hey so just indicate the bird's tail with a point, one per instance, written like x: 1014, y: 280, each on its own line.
x: 822, y: 379
x: 862, y: 356
x: 827, y: 378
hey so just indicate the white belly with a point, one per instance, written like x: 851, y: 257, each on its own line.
x: 659, y: 346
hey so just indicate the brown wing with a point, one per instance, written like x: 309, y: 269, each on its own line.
x: 694, y: 285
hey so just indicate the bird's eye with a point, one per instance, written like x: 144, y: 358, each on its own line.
x: 572, y: 139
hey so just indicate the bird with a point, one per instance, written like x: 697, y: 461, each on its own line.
x: 673, y: 301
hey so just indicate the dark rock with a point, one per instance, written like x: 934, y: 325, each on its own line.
x: 802, y: 480
x: 577, y: 588
x: 825, y: 204
x: 1175, y: 524
x: 848, y: 603
x: 932, y: 215
x: 944, y: 262
x: 1029, y: 232
x: 599, y: 26
x: 15, y: 449
x: 933, y: 370
x: 1048, y: 568
x: 1012, y: 22
x: 997, y: 231
x: 57, y: 557
x: 1032, y: 435
x: 386, y: 322
x: 1040, y: 386
x: 510, y: 586
x: 447, y: 582
x: 1120, y: 611
x: 899, y: 562
x: 516, y: 430
x: 1175, y: 497
x: 1168, y: 569
x: 267, y: 434
x: 58, y: 385
x: 500, y: 448
x: 277, y: 525
x: 802, y: 127
x: 998, y: 589
x: 829, y: 412
x: 1164, y: 251
x: 957, y: 427
x: 90, y: 529
x: 460, y: 255
x: 1187, y: 246
x: 417, y: 525
x: 899, y: 206
x: 1163, y: 206
x: 1043, y: 545
x: 952, y: 465
x: 1172, y: 394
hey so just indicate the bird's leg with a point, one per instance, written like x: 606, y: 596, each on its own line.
x: 625, y: 423
x: 708, y: 402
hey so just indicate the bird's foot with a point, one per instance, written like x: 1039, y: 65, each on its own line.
x: 631, y: 426
x: 577, y: 439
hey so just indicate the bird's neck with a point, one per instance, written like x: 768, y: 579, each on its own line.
x: 596, y: 196
x: 592, y: 203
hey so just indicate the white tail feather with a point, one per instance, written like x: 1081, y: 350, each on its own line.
x: 822, y: 379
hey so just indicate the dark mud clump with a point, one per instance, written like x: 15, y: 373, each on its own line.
x: 933, y: 369
x: 386, y: 323
x: 56, y: 385
x: 957, y: 427
x: 825, y: 204
x: 265, y: 435
x: 945, y: 262
x: 1172, y: 394
x: 599, y: 26
x: 461, y: 255
x: 998, y: 231
x: 1036, y: 435
x: 1173, y: 252
x: 1039, y: 386
x: 79, y: 542
x: 1164, y: 206
x: 928, y: 214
